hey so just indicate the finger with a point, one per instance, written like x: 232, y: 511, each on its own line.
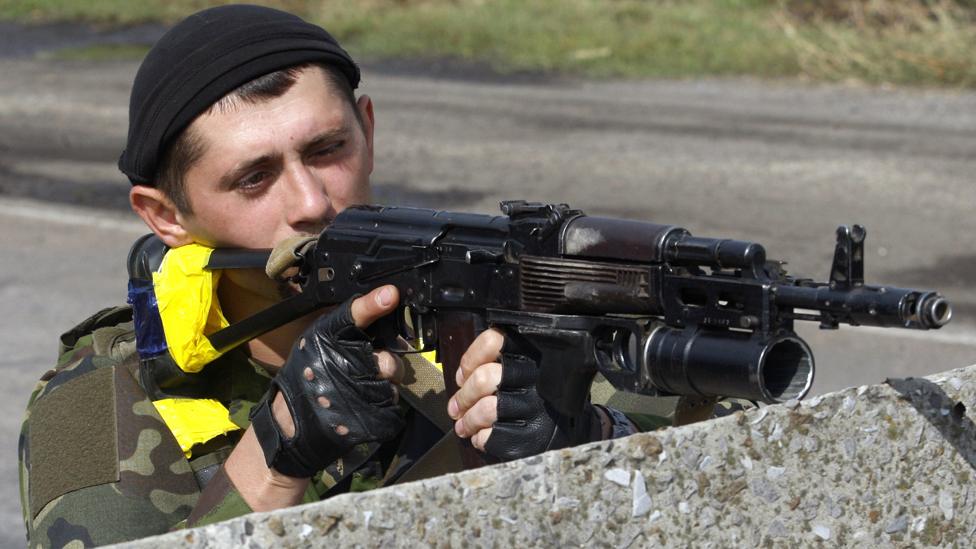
x: 481, y: 416
x: 482, y: 382
x: 374, y: 305
x: 480, y: 439
x: 485, y: 348
x: 390, y: 366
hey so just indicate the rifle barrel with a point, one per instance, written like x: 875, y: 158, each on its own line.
x: 871, y: 305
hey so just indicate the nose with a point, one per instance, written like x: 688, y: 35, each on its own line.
x: 308, y: 205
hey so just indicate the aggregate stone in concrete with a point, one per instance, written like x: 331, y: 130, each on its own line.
x: 888, y: 465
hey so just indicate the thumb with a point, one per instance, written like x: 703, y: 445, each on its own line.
x: 374, y: 305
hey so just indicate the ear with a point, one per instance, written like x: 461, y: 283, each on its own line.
x: 160, y: 214
x: 365, y: 106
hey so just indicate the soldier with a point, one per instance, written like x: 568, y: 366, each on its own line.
x: 244, y: 131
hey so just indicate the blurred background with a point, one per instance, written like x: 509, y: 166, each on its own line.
x: 765, y: 120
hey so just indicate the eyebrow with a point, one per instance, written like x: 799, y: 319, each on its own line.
x: 327, y: 136
x: 227, y: 180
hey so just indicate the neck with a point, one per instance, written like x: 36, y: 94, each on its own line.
x: 239, y: 300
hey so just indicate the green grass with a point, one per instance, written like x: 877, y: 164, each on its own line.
x: 917, y: 42
x: 97, y: 11
x: 622, y: 37
x: 100, y: 52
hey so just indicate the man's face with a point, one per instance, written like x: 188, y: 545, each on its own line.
x: 278, y: 168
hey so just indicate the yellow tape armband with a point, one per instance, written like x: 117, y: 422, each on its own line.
x: 187, y: 297
x: 194, y: 420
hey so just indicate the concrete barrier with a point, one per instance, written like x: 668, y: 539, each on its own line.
x: 882, y: 465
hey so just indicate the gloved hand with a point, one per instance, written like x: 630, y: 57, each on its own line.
x: 335, y: 398
x: 498, y: 407
x: 526, y: 424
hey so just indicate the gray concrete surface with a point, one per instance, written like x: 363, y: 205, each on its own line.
x: 881, y: 466
x: 779, y: 163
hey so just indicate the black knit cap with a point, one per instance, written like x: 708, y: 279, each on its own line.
x: 205, y: 57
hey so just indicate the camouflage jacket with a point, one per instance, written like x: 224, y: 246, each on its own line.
x: 98, y: 464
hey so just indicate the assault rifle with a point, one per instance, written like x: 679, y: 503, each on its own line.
x: 654, y: 309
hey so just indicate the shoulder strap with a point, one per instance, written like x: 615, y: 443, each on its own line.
x: 106, y: 318
x: 423, y: 388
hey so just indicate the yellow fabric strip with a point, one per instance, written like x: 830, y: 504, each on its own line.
x: 187, y: 297
x: 194, y: 421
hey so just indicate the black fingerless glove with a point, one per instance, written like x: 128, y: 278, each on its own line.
x: 526, y: 424
x: 344, y: 390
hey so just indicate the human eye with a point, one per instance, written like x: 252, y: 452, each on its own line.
x: 328, y: 150
x: 252, y: 182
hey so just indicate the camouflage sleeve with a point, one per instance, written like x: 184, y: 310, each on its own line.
x: 219, y: 501
x: 648, y: 422
x: 654, y: 413
x: 97, y: 464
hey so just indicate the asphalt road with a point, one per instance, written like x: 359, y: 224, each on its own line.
x: 779, y: 163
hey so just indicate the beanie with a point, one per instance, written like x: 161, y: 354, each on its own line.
x: 205, y: 57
